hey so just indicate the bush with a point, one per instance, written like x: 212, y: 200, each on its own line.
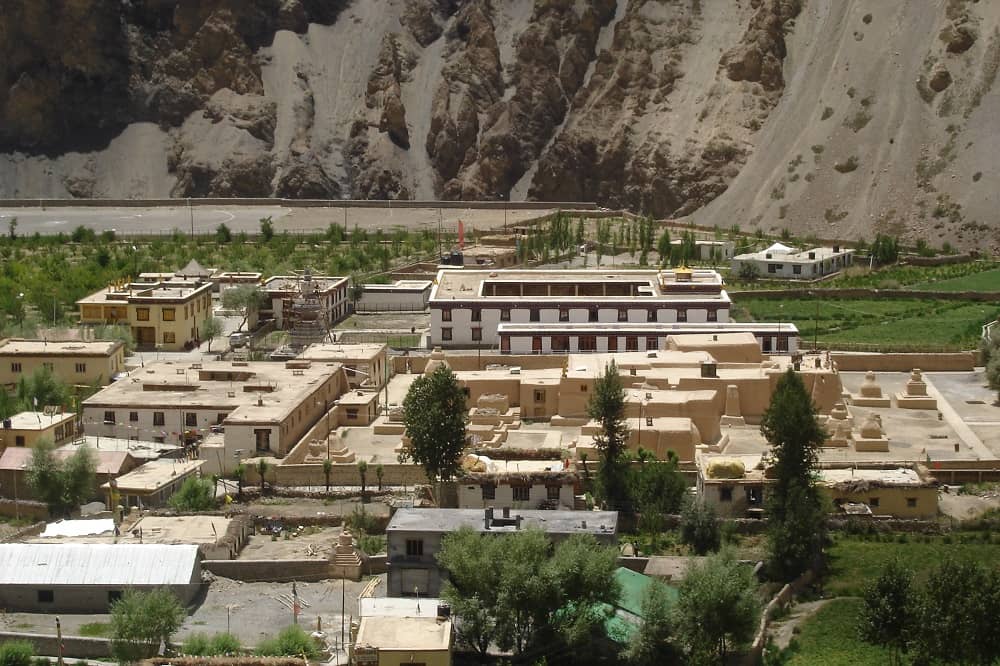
x: 218, y: 645
x: 372, y: 544
x: 290, y: 642
x: 194, y: 495
x: 700, y: 528
x: 16, y: 653
x: 225, y: 644
x: 196, y: 645
x: 360, y: 521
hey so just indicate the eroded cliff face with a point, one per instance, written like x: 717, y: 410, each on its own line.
x: 824, y: 116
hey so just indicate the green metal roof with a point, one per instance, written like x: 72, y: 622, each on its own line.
x: 633, y: 585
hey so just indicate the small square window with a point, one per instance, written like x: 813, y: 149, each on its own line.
x: 477, y: 315
x: 170, y: 314
x: 652, y: 343
x: 563, y: 314
x: 797, y: 270
x: 622, y: 314
x: 142, y: 314
x: 911, y: 502
x: 446, y: 334
x: 191, y: 419
x: 489, y: 491
x: 533, y: 314
x: 158, y: 418
x: 505, y: 314
x: 15, y: 367
x: 133, y: 417
x: 445, y: 315
x: 651, y: 316
x: 631, y: 343
x: 352, y: 413
x: 169, y: 338
x: 521, y: 493
x: 682, y: 315
x: 552, y: 493
x: 415, y: 547
x: 539, y: 396
x: 46, y: 596
x: 477, y: 334
x: 726, y: 494
x: 81, y: 368
x: 592, y: 315
x: 109, y: 417
x: 114, y: 595
x: 713, y: 315
x: 873, y: 502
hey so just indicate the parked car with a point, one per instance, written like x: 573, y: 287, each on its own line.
x: 238, y: 340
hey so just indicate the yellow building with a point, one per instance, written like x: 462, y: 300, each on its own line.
x: 166, y: 314
x: 26, y: 428
x: 73, y: 362
x: 899, y: 492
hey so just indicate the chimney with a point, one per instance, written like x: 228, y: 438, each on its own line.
x: 488, y: 517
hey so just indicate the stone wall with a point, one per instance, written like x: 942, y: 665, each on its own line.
x: 276, y: 571
x: 344, y: 474
x: 24, y: 508
x: 857, y: 362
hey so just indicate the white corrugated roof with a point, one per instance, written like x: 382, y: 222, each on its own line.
x: 96, y: 564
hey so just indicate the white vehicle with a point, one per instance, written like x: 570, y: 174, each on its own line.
x: 238, y: 339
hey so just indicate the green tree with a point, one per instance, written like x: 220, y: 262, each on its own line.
x: 886, y: 614
x: 363, y: 473
x: 355, y: 292
x: 62, y: 485
x: 240, y: 472
x: 266, y: 229
x: 141, y: 621
x: 327, y: 468
x: 434, y: 414
x: 12, y: 228
x: 209, y: 329
x: 578, y: 237
x: 41, y: 388
x: 717, y: 609
x: 796, y: 517
x: 262, y: 468
x: 952, y: 623
x: 700, y: 527
x: 651, y: 645
x: 245, y: 299
x: 223, y: 234
x: 607, y: 407
x: 657, y: 487
x: 379, y: 473
x: 516, y: 591
x: 195, y: 494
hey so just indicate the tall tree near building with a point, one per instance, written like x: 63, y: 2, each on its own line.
x: 717, y: 609
x: 607, y: 407
x: 795, y: 509
x: 62, y: 485
x: 327, y: 468
x: 245, y: 299
x: 262, y: 468
x: 363, y: 473
x: 887, y: 610
x: 435, y: 415
x: 210, y: 328
x: 141, y: 621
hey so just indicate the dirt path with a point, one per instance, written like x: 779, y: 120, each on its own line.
x: 782, y: 631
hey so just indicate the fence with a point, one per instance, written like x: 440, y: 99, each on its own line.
x: 376, y: 308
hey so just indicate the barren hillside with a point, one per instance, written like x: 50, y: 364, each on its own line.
x: 834, y: 117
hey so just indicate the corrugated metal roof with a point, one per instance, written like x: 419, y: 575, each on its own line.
x: 96, y: 564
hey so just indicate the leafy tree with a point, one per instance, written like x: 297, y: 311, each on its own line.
x: 12, y: 228
x: 363, y: 473
x: 578, y: 237
x: 41, y: 388
x: 141, y: 621
x: 266, y: 229
x: 210, y: 328
x: 62, y: 485
x: 291, y: 641
x: 223, y: 234
x: 657, y: 487
x: 434, y: 414
x: 700, y: 527
x: 195, y: 494
x: 749, y: 272
x: 886, y: 613
x: 651, y: 644
x: 717, y: 608
x: 952, y: 623
x: 240, y: 472
x: 262, y: 468
x: 245, y: 299
x: 327, y: 468
x: 514, y: 590
x: 607, y: 406
x: 355, y: 292
x: 885, y: 249
x: 379, y: 473
x: 795, y: 511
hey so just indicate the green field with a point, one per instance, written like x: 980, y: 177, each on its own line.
x: 899, y: 324
x: 830, y: 638
x: 984, y: 281
x: 854, y: 562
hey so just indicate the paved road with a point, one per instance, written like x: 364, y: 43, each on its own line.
x: 205, y: 219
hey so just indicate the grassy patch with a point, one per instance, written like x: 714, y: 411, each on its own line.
x: 984, y: 281
x: 830, y: 637
x: 95, y: 629
x: 855, y: 562
x: 892, y: 323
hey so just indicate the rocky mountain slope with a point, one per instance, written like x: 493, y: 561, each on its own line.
x: 833, y: 117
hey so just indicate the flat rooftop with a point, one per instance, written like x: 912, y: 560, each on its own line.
x: 155, y: 474
x: 551, y: 522
x: 585, y: 285
x: 327, y: 351
x: 899, y: 476
x: 232, y: 387
x: 106, y: 462
x: 38, y: 420
x: 400, y: 285
x: 97, y: 564
x: 397, y: 607
x: 795, y: 256
x: 645, y: 328
x: 404, y: 633
x: 21, y: 347
x: 166, y: 291
x: 137, y: 449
